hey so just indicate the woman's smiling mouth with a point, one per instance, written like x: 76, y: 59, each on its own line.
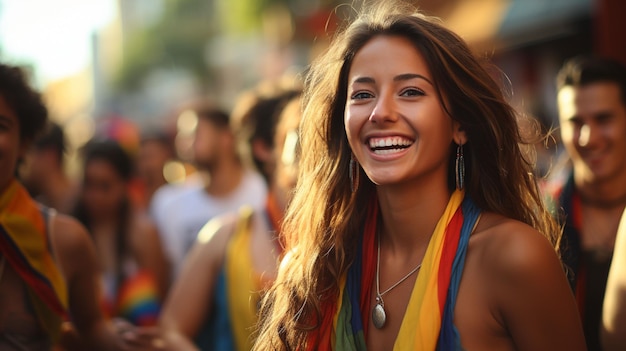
x: 388, y: 145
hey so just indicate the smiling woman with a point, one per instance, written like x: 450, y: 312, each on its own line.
x: 395, y: 125
x: 444, y: 243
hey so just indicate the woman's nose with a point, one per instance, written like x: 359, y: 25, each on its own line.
x: 384, y: 111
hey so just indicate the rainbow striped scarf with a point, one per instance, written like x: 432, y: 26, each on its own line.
x: 25, y: 244
x: 428, y: 321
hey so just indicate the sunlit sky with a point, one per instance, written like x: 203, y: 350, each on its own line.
x: 52, y: 35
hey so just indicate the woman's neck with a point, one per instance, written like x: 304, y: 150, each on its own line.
x: 109, y: 217
x: 410, y: 214
x: 106, y: 224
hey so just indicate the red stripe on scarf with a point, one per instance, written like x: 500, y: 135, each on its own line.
x: 368, y: 266
x: 451, y: 243
x: 38, y: 283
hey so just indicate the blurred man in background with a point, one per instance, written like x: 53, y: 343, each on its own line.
x: 155, y: 150
x: 223, y: 184
x: 592, y: 195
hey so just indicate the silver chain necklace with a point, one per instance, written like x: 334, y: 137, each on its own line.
x: 379, y: 316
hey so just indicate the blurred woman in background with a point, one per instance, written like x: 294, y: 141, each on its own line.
x: 134, y: 268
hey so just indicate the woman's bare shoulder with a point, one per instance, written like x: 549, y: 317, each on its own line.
x: 68, y: 235
x: 524, y: 284
x: 507, y: 246
x: 73, y: 246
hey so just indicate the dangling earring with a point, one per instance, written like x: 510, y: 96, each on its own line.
x: 354, y: 174
x: 460, y: 167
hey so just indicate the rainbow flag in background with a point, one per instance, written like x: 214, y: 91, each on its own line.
x: 138, y: 300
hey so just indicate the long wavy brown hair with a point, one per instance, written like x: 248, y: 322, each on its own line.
x: 325, y: 219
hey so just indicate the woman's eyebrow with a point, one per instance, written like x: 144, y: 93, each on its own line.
x: 409, y: 76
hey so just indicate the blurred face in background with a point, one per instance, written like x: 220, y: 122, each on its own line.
x: 35, y: 167
x: 209, y: 144
x: 286, y: 153
x: 104, y: 190
x: 152, y: 157
x: 593, y: 129
x: 11, y: 148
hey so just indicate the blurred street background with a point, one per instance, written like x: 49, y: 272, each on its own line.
x: 123, y: 66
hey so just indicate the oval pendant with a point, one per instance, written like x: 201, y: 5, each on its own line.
x: 379, y: 317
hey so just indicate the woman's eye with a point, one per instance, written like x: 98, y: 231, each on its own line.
x: 361, y: 95
x: 412, y: 92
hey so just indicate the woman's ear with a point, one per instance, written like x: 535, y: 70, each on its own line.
x: 458, y: 133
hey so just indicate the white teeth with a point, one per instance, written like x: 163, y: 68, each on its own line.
x: 386, y: 151
x: 387, y: 142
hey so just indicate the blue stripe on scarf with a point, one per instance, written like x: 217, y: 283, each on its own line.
x: 351, y: 303
x: 353, y: 289
x: 449, y: 338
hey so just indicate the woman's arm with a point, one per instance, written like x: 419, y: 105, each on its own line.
x: 189, y: 301
x: 531, y: 292
x: 613, y: 329
x: 77, y: 257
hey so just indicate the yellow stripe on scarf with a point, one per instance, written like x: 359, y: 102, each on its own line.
x: 25, y: 227
x: 242, y: 284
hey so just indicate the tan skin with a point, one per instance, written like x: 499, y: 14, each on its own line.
x: 513, y: 293
x: 180, y: 320
x: 77, y: 260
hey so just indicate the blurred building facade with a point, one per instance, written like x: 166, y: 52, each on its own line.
x: 528, y: 41
x: 169, y: 52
